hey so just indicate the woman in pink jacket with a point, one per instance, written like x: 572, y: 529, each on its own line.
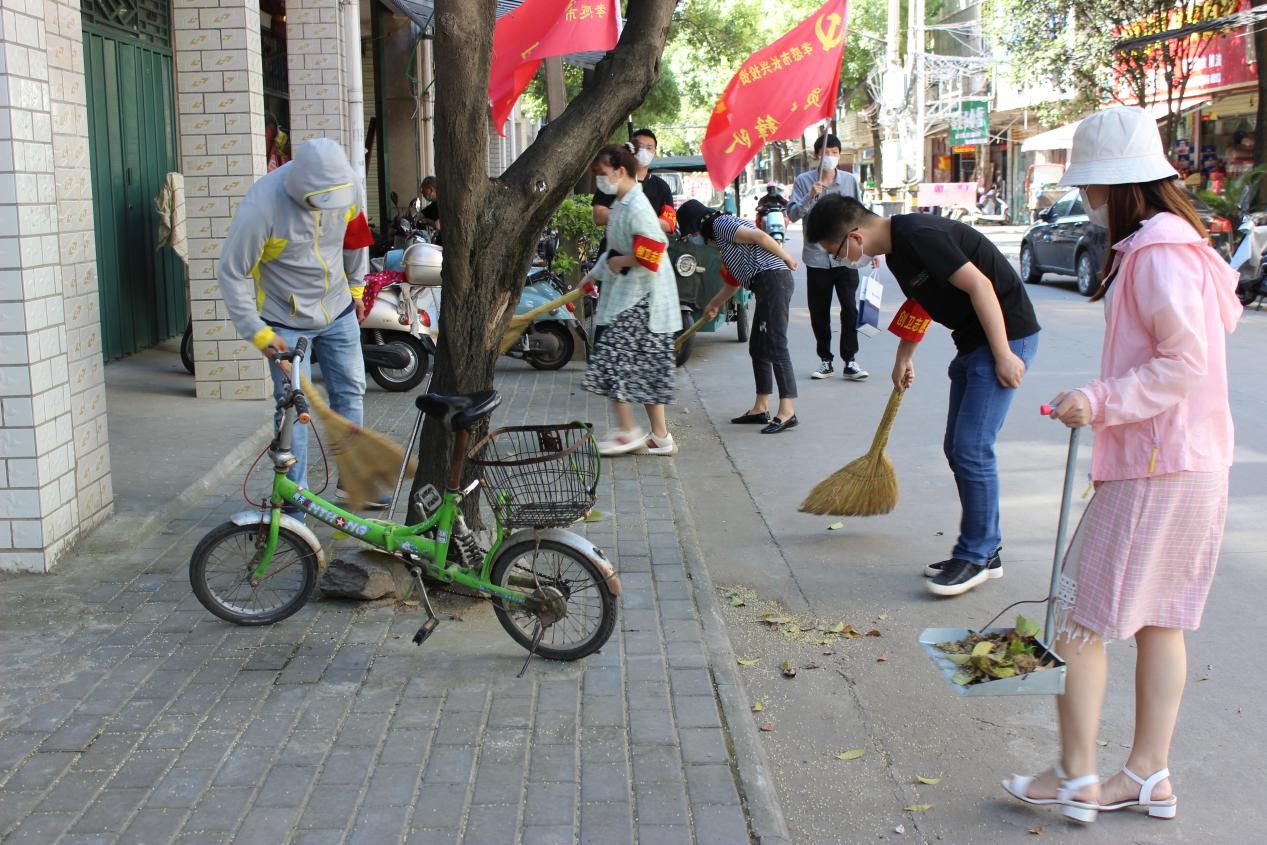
x: 1142, y: 559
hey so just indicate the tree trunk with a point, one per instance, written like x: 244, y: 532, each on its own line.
x: 491, y: 225
x: 1260, y: 125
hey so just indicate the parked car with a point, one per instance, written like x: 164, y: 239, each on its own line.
x: 1065, y: 242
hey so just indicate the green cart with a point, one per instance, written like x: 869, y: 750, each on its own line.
x: 698, y: 267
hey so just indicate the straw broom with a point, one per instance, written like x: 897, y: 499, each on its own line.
x: 865, y: 487
x: 368, y: 462
x: 520, y: 322
x: 686, y: 335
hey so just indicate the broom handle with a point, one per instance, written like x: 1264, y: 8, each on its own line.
x: 527, y: 317
x: 1062, y: 527
x: 684, y: 336
x: 886, y: 422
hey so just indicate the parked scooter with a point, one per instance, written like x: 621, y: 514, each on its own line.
x: 550, y: 341
x: 1250, y: 261
x: 398, y: 334
x: 775, y: 224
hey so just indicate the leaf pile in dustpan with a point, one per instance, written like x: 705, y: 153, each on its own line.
x: 368, y: 462
x: 996, y: 655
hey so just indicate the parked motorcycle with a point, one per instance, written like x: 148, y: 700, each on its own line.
x: 399, y: 331
x: 550, y: 341
x: 1250, y: 261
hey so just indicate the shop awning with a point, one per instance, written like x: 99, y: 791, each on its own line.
x: 1061, y: 138
x: 420, y: 12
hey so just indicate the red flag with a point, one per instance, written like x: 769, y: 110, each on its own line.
x: 777, y: 93
x: 540, y: 29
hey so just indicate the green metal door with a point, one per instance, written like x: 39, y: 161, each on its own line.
x: 132, y: 142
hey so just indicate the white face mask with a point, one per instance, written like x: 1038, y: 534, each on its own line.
x: 863, y: 260
x: 828, y: 163
x: 1098, y: 214
x: 606, y: 184
x: 644, y: 157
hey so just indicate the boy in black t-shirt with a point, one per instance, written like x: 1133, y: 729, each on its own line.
x: 953, y: 275
x: 656, y: 190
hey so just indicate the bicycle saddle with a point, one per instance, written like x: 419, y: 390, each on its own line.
x: 459, y: 412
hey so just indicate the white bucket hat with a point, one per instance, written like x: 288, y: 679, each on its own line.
x: 1117, y: 146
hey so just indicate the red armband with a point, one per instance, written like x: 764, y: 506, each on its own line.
x: 728, y: 277
x: 668, y: 215
x: 911, y: 321
x: 648, y: 252
x: 358, y: 234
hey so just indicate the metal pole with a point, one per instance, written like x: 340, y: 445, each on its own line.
x: 355, y: 92
x: 1062, y: 527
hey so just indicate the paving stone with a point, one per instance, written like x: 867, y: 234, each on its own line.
x: 266, y: 826
x: 604, y: 782
x: 677, y: 609
x: 268, y: 731
x: 205, y: 750
x: 555, y: 727
x: 40, y: 829
x: 719, y: 824
x: 347, y: 766
x: 105, y: 700
x: 47, y: 716
x: 510, y: 711
x: 552, y: 763
x: 407, y: 746
x: 657, y: 764
x: 434, y: 837
x: 378, y: 824
x: 154, y: 826
x: 392, y: 785
x: 554, y: 835
x: 646, y: 667
x: 360, y: 730
x: 459, y: 726
x: 703, y: 745
x: 245, y: 766
x: 111, y: 810
x: 439, y: 806
x: 286, y: 786
x: 696, y: 711
x: 661, y: 804
x: 93, y: 839
x: 318, y: 837
x: 686, y: 655
x: 606, y: 824
x: 135, y: 716
x: 711, y: 784
x: 550, y: 804
x: 665, y: 835
x: 450, y: 764
x: 652, y: 726
x: 228, y: 715
x: 14, y: 748
x: 330, y: 809
x: 40, y: 771
x: 14, y: 805
x: 219, y: 809
x: 169, y: 733
x: 603, y: 745
x: 653, y: 694
x: 492, y: 823
x: 602, y: 711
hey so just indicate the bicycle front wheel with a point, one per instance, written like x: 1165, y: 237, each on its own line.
x: 220, y: 573
x: 581, y: 609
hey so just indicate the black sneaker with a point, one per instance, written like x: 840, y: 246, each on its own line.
x: 853, y: 372
x: 824, y: 370
x: 993, y: 566
x: 958, y: 576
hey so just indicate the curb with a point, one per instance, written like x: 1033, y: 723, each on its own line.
x: 760, y: 797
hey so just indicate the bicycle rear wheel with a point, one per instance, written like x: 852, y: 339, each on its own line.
x: 582, y: 610
x: 220, y: 574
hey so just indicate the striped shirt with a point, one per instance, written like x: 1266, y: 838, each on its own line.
x: 742, y: 260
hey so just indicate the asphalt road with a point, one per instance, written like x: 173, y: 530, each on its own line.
x: 881, y: 693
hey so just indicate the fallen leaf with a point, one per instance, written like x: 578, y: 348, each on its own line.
x: 789, y: 671
x: 882, y: 617
x: 595, y: 515
x: 736, y: 601
x: 874, y: 632
x: 771, y: 618
x: 929, y: 781
x: 808, y: 626
x: 835, y: 526
x: 758, y: 707
x: 749, y: 661
x: 918, y: 808
x: 829, y: 654
x: 810, y: 666
x: 838, y: 628
x: 767, y: 727
x: 1037, y: 831
x: 338, y: 535
x: 852, y: 754
x: 1103, y: 743
x: 883, y: 658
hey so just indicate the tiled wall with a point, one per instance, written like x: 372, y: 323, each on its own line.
x: 39, y: 495
x: 220, y: 103
x: 314, y: 53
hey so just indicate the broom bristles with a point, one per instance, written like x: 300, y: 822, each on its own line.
x: 864, y: 487
x: 368, y: 462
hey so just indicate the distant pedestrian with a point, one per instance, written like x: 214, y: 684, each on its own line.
x: 753, y: 258
x: 825, y: 273
x: 952, y: 274
x: 632, y: 361
x: 1142, y: 559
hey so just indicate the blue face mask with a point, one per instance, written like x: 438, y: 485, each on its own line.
x: 696, y: 239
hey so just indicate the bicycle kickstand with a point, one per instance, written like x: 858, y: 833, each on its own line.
x: 532, y: 650
x: 431, y: 623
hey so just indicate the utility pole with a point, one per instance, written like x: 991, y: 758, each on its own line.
x: 915, y: 49
x: 894, y: 95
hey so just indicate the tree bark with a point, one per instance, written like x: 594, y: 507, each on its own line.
x: 491, y: 225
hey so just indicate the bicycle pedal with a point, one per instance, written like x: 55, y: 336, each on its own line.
x: 426, y: 630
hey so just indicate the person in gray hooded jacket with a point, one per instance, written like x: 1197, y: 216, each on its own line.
x: 293, y: 266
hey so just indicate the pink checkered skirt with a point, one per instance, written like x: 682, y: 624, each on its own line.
x: 1144, y: 554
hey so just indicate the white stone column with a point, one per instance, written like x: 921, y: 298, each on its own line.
x: 39, y: 508
x: 220, y: 113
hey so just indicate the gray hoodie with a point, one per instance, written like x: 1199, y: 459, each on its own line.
x: 283, y: 261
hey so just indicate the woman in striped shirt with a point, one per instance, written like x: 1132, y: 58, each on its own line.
x: 751, y: 257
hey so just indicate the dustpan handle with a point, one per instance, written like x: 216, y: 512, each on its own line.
x: 1062, y: 528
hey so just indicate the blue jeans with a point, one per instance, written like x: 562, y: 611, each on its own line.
x: 978, y: 406
x: 343, y: 371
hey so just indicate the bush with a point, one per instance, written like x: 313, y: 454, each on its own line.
x: 578, y: 236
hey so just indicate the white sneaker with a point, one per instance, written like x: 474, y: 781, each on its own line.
x: 621, y: 442
x: 853, y: 372
x: 659, y: 445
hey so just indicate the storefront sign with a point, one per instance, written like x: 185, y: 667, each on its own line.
x: 1224, y: 63
x: 971, y: 124
x: 946, y: 194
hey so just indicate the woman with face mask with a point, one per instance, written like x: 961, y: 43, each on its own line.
x: 632, y: 362
x: 1142, y: 559
x: 751, y: 257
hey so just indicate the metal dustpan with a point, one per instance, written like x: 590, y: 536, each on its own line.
x: 1048, y: 681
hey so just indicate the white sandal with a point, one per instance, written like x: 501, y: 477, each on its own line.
x: 1165, y: 808
x: 1083, y: 812
x: 1018, y: 787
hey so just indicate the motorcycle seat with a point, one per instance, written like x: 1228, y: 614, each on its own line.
x: 459, y: 412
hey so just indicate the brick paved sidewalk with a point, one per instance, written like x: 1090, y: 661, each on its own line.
x: 129, y: 714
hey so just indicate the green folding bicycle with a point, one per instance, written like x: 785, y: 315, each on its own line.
x: 552, y: 590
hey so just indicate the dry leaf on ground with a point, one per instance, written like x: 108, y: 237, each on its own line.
x: 929, y: 781
x: 758, y: 707
x: 852, y: 754
x: 767, y: 727
x: 749, y: 661
x: 789, y: 671
x: 918, y: 808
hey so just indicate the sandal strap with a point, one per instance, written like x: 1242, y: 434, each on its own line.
x: 1146, y: 785
x: 1069, y: 787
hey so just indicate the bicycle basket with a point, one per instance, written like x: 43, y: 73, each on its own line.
x: 538, y: 476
